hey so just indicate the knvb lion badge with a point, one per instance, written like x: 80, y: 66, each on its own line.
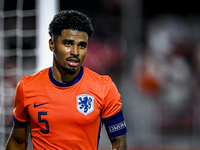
x: 85, y: 103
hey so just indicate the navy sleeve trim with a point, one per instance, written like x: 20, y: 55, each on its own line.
x: 115, y: 125
x: 19, y: 123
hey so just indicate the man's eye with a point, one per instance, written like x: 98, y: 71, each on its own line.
x: 82, y: 46
x: 68, y: 44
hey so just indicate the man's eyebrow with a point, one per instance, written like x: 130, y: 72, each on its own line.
x: 83, y: 42
x: 68, y: 40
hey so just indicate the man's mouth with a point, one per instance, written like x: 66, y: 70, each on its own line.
x: 73, y: 62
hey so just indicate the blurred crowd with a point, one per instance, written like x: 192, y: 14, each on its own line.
x: 167, y: 68
x: 166, y: 72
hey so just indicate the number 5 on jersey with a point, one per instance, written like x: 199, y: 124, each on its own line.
x: 46, y: 131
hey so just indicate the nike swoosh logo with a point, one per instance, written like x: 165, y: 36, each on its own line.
x: 35, y: 105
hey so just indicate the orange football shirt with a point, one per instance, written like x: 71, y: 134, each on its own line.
x: 65, y: 116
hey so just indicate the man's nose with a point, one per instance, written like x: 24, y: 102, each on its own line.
x: 74, y: 50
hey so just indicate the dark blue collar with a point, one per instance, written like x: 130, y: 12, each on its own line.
x: 61, y: 84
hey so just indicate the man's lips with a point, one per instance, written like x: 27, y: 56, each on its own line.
x: 73, y: 62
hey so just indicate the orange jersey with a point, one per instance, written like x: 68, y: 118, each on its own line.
x: 65, y: 116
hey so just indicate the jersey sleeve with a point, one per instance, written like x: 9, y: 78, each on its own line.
x: 20, y: 113
x: 112, y: 114
x: 112, y: 99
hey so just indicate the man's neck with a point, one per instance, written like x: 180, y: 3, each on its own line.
x: 61, y: 76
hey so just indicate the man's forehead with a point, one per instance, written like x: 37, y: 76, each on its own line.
x: 72, y: 31
x: 73, y: 35
x: 69, y: 33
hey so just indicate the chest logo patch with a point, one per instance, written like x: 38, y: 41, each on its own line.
x: 85, y: 103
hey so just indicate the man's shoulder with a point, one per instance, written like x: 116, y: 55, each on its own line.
x: 38, y: 76
x: 96, y: 76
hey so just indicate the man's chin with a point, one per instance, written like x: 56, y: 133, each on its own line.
x: 70, y: 71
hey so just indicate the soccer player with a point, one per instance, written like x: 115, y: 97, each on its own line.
x: 66, y: 105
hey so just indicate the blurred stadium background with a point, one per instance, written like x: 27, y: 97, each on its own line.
x: 150, y: 48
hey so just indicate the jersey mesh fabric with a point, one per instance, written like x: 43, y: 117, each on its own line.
x: 54, y: 111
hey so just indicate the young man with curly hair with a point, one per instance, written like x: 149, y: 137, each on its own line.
x: 66, y: 105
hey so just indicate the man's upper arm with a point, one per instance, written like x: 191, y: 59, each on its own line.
x: 112, y: 114
x: 18, y: 138
x: 19, y: 135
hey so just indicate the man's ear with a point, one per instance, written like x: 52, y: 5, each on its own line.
x: 51, y: 44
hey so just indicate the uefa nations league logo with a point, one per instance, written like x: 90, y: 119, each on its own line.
x: 85, y: 103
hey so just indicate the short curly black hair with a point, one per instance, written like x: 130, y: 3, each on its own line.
x: 70, y: 19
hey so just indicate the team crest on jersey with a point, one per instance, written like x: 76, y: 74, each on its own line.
x: 85, y: 103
